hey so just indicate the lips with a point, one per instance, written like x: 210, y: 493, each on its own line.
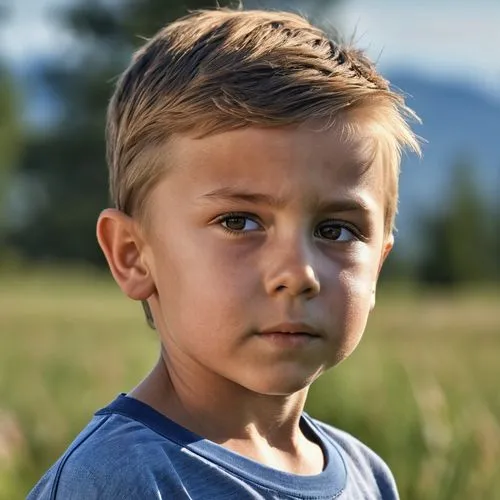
x: 291, y: 329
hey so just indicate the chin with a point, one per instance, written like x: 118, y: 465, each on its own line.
x: 284, y: 383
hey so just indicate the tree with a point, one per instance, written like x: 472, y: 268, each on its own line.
x: 9, y: 130
x: 10, y: 135
x: 460, y: 238
x: 69, y: 161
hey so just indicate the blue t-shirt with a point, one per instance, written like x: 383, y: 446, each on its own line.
x: 131, y: 451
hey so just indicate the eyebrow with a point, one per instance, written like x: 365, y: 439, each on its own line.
x: 350, y: 204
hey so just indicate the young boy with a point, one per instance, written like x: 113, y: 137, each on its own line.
x: 254, y: 168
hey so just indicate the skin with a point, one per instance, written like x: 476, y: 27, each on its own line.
x: 306, y: 244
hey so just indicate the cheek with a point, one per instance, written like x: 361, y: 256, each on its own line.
x: 356, y: 290
x: 357, y: 274
x: 355, y: 285
x: 202, y: 285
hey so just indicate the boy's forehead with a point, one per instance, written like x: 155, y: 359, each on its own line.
x: 282, y: 163
x: 247, y: 150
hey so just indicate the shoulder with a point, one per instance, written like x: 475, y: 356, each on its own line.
x: 113, y: 457
x: 357, y: 451
x: 362, y: 463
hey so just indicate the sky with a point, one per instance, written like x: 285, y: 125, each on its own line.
x: 445, y: 39
x: 441, y: 39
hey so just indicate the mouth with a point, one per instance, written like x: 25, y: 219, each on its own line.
x: 290, y: 334
x: 300, y: 329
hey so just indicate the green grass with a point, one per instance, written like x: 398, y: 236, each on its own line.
x: 422, y: 388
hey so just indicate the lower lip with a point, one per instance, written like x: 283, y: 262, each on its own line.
x: 288, y: 339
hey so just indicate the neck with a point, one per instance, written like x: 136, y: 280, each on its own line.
x: 264, y: 428
x: 220, y: 410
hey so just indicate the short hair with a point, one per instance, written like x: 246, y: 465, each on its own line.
x: 220, y: 70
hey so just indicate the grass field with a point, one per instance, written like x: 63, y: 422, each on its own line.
x: 422, y: 389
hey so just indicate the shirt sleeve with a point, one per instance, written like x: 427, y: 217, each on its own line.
x: 79, y: 481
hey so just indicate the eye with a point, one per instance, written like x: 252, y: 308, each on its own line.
x: 335, y: 231
x: 238, y: 223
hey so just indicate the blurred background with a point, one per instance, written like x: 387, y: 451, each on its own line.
x: 422, y: 389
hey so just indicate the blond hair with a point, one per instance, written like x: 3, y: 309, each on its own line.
x: 214, y: 71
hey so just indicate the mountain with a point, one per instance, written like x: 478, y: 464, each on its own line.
x: 459, y: 122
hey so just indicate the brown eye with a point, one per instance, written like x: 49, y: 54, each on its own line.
x: 329, y: 232
x: 239, y: 223
x: 235, y: 223
x: 334, y: 232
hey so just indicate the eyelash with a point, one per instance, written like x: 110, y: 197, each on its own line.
x: 219, y: 220
x: 234, y: 215
x: 343, y: 225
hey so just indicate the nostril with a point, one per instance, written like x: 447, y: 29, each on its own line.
x: 303, y: 291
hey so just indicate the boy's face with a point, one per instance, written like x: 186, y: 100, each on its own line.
x: 255, y: 231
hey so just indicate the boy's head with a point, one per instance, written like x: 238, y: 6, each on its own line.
x: 258, y: 124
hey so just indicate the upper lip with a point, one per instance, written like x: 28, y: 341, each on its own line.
x: 292, y: 328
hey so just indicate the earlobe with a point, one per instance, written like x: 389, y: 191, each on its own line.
x: 121, y: 244
x: 373, y: 297
x: 389, y: 243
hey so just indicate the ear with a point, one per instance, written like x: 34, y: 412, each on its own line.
x: 122, y: 244
x: 386, y: 250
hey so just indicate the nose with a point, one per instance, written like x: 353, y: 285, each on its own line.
x: 291, y: 272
